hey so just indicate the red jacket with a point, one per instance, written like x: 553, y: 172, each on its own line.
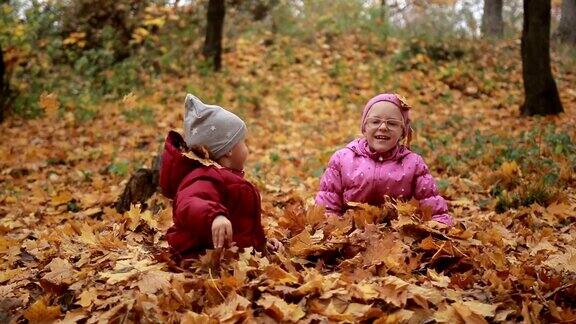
x: 200, y: 193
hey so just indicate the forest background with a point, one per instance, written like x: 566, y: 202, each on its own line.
x: 90, y: 89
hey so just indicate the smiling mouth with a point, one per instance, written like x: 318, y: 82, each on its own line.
x: 382, y: 137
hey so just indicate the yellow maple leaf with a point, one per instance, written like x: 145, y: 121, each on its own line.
x: 61, y: 272
x: 87, y: 235
x: 9, y: 274
x: 541, y: 246
x: 348, y: 312
x: 559, y: 210
x: 481, y: 309
x: 563, y: 261
x: 133, y: 217
x: 74, y: 38
x: 509, y: 172
x: 364, y: 291
x: 305, y: 244
x: 87, y: 297
x: 126, y: 269
x: 278, y: 275
x: 139, y: 35
x: 154, y: 281
x: 147, y: 217
x: 191, y: 317
x: 423, y: 295
x: 6, y: 243
x: 280, y: 309
x: 61, y: 198
x: 50, y: 104
x: 233, y: 309
x: 293, y: 219
x: 129, y: 100
x: 448, y: 314
x: 315, y: 215
x: 159, y: 22
x: 468, y: 314
x: 40, y: 312
x: 399, y: 316
x: 394, y: 290
x: 364, y: 214
x: 438, y: 280
x: 203, y: 160
x: 74, y: 316
x: 301, y: 243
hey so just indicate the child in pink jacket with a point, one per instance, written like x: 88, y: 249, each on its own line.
x: 378, y: 165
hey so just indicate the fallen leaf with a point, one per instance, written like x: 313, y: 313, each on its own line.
x: 87, y: 297
x: 61, y: 272
x: 41, y: 312
x: 438, y: 280
x: 61, y: 198
x: 50, y: 104
x: 563, y: 261
x: 279, y: 309
x: 154, y: 281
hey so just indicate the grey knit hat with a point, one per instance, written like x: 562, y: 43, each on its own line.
x: 211, y: 126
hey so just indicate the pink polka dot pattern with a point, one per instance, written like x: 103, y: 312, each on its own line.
x: 355, y: 174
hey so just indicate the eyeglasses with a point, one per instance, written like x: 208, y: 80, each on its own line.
x: 391, y: 124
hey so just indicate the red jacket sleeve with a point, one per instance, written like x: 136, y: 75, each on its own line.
x: 196, y: 206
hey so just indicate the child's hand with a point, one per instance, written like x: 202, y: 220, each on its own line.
x: 274, y: 245
x: 221, y: 232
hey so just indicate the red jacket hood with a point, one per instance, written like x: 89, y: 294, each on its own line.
x: 175, y: 166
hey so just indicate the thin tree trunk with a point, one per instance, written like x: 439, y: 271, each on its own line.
x: 382, y: 11
x: 492, y: 23
x: 262, y: 9
x: 3, y: 86
x: 541, y: 94
x: 141, y: 186
x: 214, y: 29
x: 566, y: 31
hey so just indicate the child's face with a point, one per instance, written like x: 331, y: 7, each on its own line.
x: 384, y: 126
x: 238, y: 155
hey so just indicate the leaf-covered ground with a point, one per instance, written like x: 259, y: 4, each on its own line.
x: 66, y: 254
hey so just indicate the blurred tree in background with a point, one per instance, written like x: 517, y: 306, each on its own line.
x: 214, y: 28
x: 539, y: 86
x: 89, y: 51
x: 492, y: 23
x: 567, y: 28
x: 3, y: 86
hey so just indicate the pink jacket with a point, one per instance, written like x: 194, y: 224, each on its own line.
x: 355, y: 174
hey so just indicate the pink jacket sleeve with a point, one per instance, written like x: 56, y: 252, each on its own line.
x: 426, y: 193
x: 330, y: 193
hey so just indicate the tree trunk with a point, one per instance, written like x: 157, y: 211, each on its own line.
x: 263, y: 8
x: 141, y: 186
x: 541, y: 94
x: 3, y: 86
x: 214, y: 29
x: 566, y: 31
x: 492, y: 23
x: 382, y: 15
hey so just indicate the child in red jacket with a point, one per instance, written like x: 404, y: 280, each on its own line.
x: 212, y: 206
